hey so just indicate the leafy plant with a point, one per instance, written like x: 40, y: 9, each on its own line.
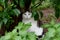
x: 56, y: 5
x: 20, y: 33
x: 45, y: 4
x: 53, y: 31
x: 7, y: 12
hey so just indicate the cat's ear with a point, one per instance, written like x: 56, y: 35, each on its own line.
x: 27, y: 4
x: 30, y: 10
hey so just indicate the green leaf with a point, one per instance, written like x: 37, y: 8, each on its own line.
x: 33, y: 1
x: 24, y: 38
x: 1, y: 8
x: 50, y: 33
x: 18, y: 38
x: 22, y: 4
x: 57, y: 25
x: 16, y: 12
x: 2, y: 2
x: 56, y: 39
x: 58, y: 30
x: 31, y: 36
x: 46, y: 25
x: 52, y: 22
x: 5, y: 20
x: 27, y: 26
x: 21, y: 35
x: 14, y: 31
x: 16, y: 1
x: 33, y: 13
x: 1, y: 24
x: 20, y: 26
x: 8, y: 36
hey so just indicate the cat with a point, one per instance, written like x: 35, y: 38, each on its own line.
x: 27, y: 18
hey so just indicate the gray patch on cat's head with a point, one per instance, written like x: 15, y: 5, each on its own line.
x: 27, y: 15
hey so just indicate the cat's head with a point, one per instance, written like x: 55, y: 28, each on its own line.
x: 27, y: 15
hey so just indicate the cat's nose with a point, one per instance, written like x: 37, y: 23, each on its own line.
x: 27, y: 17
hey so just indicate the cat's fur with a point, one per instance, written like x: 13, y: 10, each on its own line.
x: 27, y: 18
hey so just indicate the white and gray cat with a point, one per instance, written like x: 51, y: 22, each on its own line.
x: 27, y: 18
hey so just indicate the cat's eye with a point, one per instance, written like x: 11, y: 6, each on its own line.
x: 28, y: 14
x: 24, y: 14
